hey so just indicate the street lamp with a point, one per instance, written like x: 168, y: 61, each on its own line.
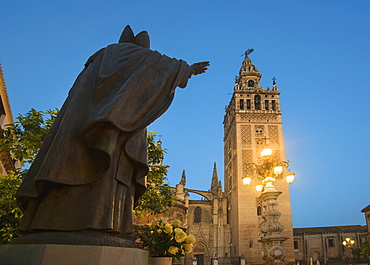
x: 266, y: 171
x: 348, y: 242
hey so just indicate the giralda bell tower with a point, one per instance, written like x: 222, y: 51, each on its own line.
x: 252, y: 121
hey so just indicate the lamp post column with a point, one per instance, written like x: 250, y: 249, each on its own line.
x: 272, y: 241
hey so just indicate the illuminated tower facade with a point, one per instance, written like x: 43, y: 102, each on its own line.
x: 252, y: 121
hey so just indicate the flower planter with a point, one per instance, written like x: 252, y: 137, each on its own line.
x: 160, y: 261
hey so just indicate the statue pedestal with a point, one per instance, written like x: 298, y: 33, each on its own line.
x: 43, y: 254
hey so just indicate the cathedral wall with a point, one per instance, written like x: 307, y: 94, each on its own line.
x: 324, y: 244
x: 200, y: 225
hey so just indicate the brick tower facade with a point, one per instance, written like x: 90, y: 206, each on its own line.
x: 252, y: 121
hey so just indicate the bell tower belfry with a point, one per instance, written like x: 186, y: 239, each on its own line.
x: 252, y: 121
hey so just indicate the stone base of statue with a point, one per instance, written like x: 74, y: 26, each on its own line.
x: 56, y: 254
x: 77, y: 238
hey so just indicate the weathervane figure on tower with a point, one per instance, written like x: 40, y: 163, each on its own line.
x: 274, y: 81
x: 247, y: 52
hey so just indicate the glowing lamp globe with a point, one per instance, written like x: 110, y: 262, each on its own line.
x: 278, y: 170
x: 290, y: 177
x: 246, y: 180
x: 259, y: 187
x: 266, y: 152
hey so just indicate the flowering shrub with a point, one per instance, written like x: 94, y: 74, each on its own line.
x: 165, y: 239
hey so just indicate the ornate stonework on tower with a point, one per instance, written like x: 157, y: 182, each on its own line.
x: 252, y: 121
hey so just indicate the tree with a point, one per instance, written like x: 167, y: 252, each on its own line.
x: 365, y: 249
x: 23, y: 140
x: 10, y: 213
x: 158, y: 197
x: 356, y: 252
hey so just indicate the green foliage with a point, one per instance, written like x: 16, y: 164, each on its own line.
x: 158, y: 197
x: 356, y: 252
x: 365, y: 250
x: 24, y: 138
x: 10, y: 213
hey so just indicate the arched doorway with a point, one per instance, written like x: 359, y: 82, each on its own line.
x: 199, y: 253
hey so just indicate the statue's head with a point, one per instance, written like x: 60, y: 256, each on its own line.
x: 141, y: 39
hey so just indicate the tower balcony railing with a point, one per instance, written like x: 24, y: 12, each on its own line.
x: 238, y: 88
x: 252, y: 111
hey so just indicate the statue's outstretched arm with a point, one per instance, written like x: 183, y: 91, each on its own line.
x: 198, y: 68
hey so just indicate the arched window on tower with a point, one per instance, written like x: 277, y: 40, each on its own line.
x: 241, y: 104
x: 259, y: 210
x: 257, y: 102
x: 260, y: 132
x: 250, y: 83
x: 273, y: 105
x: 248, y: 104
x: 260, y: 143
x: 197, y: 215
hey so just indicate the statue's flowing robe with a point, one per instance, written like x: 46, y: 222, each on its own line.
x: 92, y: 165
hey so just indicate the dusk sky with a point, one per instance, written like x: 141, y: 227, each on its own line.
x: 319, y: 51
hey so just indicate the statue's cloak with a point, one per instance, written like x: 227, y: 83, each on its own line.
x: 96, y: 150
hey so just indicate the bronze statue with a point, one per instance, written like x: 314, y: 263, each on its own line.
x: 91, y: 168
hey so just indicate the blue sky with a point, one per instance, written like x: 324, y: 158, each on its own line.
x: 318, y: 50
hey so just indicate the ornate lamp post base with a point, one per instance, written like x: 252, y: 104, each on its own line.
x: 273, y: 249
x: 272, y: 241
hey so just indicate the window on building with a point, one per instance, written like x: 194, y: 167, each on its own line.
x: 273, y: 105
x: 251, y: 244
x: 266, y: 105
x: 197, y: 215
x: 260, y: 142
x: 250, y: 83
x: 330, y: 242
x: 257, y: 102
x: 259, y: 210
x: 296, y: 244
x: 248, y: 104
x: 241, y: 103
x: 260, y: 132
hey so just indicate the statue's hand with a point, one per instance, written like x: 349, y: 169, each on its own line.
x: 199, y: 68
